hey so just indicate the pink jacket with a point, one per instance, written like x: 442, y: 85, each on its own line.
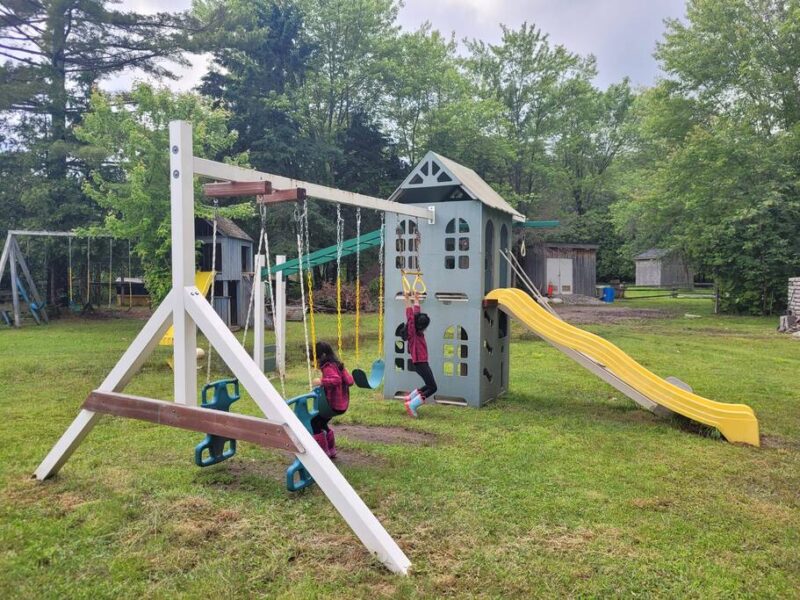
x: 417, y: 346
x: 336, y: 384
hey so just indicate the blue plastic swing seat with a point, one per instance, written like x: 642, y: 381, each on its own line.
x: 375, y: 377
x: 219, y: 448
x: 297, y: 477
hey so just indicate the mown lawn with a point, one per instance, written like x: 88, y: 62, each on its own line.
x: 562, y: 488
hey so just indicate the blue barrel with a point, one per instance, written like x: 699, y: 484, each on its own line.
x: 608, y: 294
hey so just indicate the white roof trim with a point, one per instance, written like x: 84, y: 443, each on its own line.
x: 435, y: 170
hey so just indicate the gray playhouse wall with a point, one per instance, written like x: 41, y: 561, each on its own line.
x: 469, y: 371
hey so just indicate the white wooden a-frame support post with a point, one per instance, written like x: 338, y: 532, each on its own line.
x: 5, y: 254
x: 12, y: 263
x: 258, y: 312
x: 196, y: 310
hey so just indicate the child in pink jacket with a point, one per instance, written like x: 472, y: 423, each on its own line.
x: 416, y: 323
x: 336, y: 382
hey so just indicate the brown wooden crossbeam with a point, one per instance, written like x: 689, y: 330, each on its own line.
x: 204, y: 420
x: 290, y: 195
x: 231, y: 189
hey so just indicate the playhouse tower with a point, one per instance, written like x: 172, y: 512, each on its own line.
x: 459, y: 256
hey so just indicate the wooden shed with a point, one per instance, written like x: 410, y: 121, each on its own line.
x: 569, y: 268
x: 234, y: 266
x: 660, y: 267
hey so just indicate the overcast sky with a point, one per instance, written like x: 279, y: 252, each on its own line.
x: 621, y: 33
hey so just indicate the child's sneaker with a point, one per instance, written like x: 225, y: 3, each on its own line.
x: 412, y: 405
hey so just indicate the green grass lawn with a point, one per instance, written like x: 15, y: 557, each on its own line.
x: 561, y: 488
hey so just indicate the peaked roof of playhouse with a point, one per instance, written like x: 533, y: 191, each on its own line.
x: 653, y: 253
x: 437, y: 171
x: 227, y: 228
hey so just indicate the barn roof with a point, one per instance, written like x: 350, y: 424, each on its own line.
x: 227, y: 228
x: 435, y: 170
x: 652, y: 254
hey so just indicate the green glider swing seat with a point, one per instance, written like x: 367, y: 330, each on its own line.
x: 215, y: 444
x: 306, y: 407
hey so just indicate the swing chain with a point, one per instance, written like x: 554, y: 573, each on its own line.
x: 299, y: 235
x: 380, y: 285
x: 213, y: 279
x: 339, y: 241
x: 358, y: 285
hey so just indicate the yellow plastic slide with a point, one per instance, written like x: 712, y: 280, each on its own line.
x: 736, y: 422
x: 202, y: 281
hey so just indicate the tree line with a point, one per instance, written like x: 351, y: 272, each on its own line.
x: 705, y: 161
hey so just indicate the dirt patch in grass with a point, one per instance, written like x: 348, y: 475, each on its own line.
x: 607, y: 314
x: 386, y: 435
x: 655, y: 503
x: 776, y: 441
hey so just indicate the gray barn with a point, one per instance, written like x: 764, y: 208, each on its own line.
x: 659, y: 267
x: 569, y: 268
x: 234, y: 267
x: 468, y: 343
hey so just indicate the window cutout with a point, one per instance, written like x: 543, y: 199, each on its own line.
x: 399, y: 347
x: 398, y: 364
x: 401, y: 228
x: 488, y: 318
x: 489, y: 349
x: 447, y: 351
x: 463, y: 244
x: 412, y: 227
x: 399, y: 330
x: 463, y: 369
x: 399, y: 262
x: 424, y: 168
x: 488, y: 375
x: 455, y: 354
x: 502, y: 325
x: 464, y: 351
x: 462, y: 333
x: 450, y: 244
x: 463, y: 262
x: 413, y: 262
x: 415, y: 180
x: 450, y: 333
x: 463, y: 226
x: 435, y: 168
x: 449, y: 262
x: 448, y: 369
x: 400, y: 245
x: 451, y: 226
x: 443, y: 177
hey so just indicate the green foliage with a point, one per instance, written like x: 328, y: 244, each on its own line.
x: 127, y: 137
x: 714, y: 172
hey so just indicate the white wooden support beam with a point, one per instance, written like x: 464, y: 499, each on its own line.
x: 341, y: 494
x: 258, y: 312
x: 127, y: 366
x: 221, y: 171
x: 14, y: 291
x: 280, y: 318
x: 5, y: 254
x: 182, y: 213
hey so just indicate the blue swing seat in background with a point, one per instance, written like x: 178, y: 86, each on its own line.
x: 375, y: 377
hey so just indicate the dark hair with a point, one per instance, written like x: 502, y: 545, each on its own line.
x: 325, y: 354
x: 421, y: 321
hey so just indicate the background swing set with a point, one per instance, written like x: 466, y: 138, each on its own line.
x: 79, y: 292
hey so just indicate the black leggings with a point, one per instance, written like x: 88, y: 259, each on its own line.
x: 423, y: 369
x: 320, y: 423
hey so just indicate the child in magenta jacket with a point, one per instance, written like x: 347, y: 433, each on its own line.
x: 336, y: 382
x: 416, y: 323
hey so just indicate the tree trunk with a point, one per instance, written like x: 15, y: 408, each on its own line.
x: 57, y: 152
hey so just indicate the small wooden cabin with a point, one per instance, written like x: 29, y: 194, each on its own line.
x: 234, y: 266
x: 569, y: 268
x: 660, y: 267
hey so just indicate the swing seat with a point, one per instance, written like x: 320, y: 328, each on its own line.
x: 374, y: 379
x: 297, y: 477
x: 219, y: 448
